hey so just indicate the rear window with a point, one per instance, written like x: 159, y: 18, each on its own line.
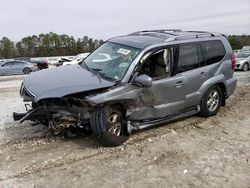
x: 214, y: 51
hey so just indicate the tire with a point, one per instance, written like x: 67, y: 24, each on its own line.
x: 27, y: 70
x: 245, y: 67
x: 211, y: 101
x: 109, y: 125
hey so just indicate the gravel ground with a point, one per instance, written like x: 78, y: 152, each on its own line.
x: 192, y: 152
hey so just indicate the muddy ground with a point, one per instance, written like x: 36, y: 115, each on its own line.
x: 193, y: 152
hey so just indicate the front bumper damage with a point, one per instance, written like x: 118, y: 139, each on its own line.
x: 23, y: 116
x: 57, y: 114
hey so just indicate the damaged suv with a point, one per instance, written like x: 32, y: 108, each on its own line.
x: 145, y: 78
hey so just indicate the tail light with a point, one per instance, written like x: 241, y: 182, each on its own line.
x: 34, y: 65
x: 233, y: 59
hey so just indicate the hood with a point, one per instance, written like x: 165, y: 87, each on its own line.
x: 61, y: 81
x: 240, y: 60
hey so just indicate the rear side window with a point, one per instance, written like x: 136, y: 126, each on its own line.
x: 214, y: 51
x: 188, y: 58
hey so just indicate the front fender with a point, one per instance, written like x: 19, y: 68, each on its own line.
x: 128, y: 92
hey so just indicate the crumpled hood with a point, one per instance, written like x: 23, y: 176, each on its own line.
x: 61, y: 81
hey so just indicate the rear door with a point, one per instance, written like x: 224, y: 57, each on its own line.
x: 190, y: 65
x: 18, y: 67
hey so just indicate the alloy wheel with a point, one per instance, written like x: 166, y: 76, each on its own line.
x: 213, y: 100
x: 115, y: 123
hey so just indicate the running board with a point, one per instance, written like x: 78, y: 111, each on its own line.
x: 132, y: 126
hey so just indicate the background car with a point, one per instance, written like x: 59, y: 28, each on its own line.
x: 242, y: 61
x: 41, y: 64
x: 77, y: 60
x: 17, y: 67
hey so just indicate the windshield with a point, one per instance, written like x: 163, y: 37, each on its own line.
x: 111, y: 60
x: 241, y: 55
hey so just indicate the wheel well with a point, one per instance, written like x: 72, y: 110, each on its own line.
x: 224, y: 93
x: 116, y: 104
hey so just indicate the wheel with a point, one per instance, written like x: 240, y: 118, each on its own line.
x: 27, y: 70
x: 245, y: 67
x: 109, y: 125
x: 211, y: 101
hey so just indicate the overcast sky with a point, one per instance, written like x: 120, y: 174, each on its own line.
x: 103, y: 19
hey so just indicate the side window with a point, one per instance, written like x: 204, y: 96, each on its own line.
x: 9, y: 64
x: 188, y: 57
x: 157, y: 65
x: 214, y: 51
x: 18, y: 63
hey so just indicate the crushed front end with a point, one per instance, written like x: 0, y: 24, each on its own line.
x: 58, y: 114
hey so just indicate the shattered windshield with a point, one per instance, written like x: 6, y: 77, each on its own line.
x: 111, y: 60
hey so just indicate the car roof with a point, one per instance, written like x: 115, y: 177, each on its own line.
x: 142, y: 39
x: 16, y: 60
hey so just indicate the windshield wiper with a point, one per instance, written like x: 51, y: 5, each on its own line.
x: 86, y: 66
x: 97, y: 70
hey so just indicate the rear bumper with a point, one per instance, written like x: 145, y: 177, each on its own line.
x: 231, y: 85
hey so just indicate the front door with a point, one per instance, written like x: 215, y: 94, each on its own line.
x: 166, y: 97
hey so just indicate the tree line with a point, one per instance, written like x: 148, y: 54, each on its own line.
x: 44, y: 45
x: 238, y: 41
x: 52, y: 44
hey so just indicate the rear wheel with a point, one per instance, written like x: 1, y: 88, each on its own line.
x: 109, y: 125
x: 211, y: 101
x: 27, y: 70
x: 245, y: 67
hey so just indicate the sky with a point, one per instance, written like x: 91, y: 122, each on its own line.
x: 103, y: 19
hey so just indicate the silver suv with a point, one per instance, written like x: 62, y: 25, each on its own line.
x: 134, y: 82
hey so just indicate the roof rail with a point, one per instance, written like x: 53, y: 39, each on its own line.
x: 201, y: 32
x: 167, y: 31
x: 196, y: 35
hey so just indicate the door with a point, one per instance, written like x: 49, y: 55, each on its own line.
x: 166, y: 97
x: 18, y: 67
x: 7, y: 68
x: 190, y: 65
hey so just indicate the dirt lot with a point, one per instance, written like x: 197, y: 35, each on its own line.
x: 193, y: 152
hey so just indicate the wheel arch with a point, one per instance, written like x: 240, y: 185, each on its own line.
x: 224, y: 92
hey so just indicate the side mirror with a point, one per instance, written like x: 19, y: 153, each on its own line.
x: 143, y: 80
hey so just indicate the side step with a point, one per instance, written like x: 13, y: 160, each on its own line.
x: 132, y: 126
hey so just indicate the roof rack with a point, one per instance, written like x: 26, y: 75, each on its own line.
x: 167, y: 31
x: 198, y: 34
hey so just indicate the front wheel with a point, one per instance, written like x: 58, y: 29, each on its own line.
x: 27, y: 70
x: 109, y: 125
x: 245, y: 67
x: 211, y: 101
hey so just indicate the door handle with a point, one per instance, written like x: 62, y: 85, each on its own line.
x: 179, y: 84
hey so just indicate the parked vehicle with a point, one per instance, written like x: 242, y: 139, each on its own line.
x: 41, y: 64
x: 150, y: 78
x: 17, y: 67
x: 246, y: 48
x: 77, y: 60
x: 243, y: 61
x: 62, y: 60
